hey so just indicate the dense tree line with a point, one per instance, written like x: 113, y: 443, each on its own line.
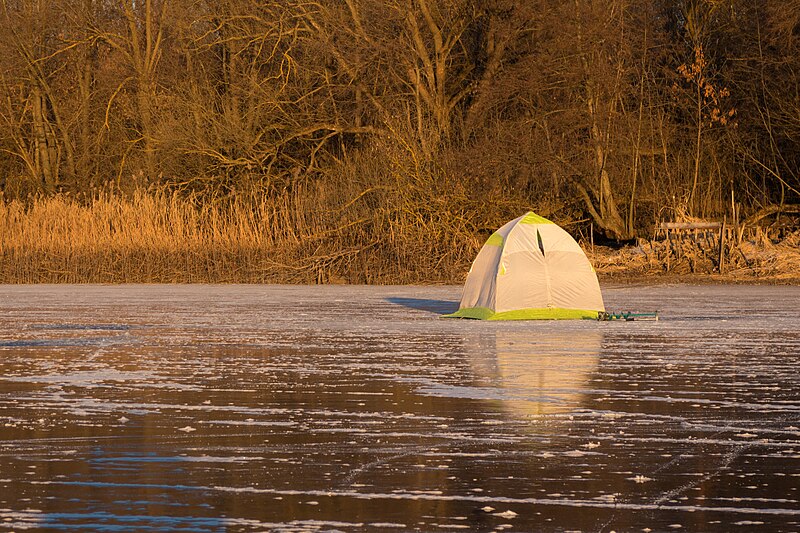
x: 617, y: 111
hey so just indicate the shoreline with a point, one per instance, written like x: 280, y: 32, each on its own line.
x: 606, y: 280
x: 693, y: 279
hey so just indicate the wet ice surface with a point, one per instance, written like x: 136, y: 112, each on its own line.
x: 252, y: 408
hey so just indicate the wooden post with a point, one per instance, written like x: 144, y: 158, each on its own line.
x: 722, y: 247
x: 591, y: 236
x: 669, y: 246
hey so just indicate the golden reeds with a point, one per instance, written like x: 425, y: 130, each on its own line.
x: 145, y: 238
x: 295, y: 237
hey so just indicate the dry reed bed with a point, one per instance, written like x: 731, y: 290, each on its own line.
x: 293, y: 237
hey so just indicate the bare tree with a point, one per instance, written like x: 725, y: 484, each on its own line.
x: 30, y: 29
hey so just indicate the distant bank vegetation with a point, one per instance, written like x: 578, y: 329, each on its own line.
x: 379, y: 141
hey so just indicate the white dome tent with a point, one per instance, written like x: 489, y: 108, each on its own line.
x: 531, y: 269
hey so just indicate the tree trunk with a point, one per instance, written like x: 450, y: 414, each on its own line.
x: 86, y: 157
x: 145, y: 54
x: 603, y: 206
x: 44, y: 143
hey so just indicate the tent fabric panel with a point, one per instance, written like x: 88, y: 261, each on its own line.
x: 522, y: 238
x: 524, y: 283
x: 573, y: 282
x: 556, y: 239
x: 479, y: 288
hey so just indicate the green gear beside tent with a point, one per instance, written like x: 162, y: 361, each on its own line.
x: 531, y: 269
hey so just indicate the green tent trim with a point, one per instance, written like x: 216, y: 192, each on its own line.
x: 547, y: 313
x: 533, y: 218
x: 495, y: 240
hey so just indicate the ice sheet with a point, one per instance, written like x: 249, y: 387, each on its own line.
x: 286, y: 408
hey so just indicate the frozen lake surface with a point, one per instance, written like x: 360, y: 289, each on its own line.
x: 277, y: 408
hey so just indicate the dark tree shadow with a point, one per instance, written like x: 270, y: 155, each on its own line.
x: 442, y: 307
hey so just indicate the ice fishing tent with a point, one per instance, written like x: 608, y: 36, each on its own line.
x: 530, y: 269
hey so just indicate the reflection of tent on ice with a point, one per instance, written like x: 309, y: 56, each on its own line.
x: 530, y: 269
x: 536, y: 372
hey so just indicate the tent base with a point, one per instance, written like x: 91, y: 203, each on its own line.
x: 548, y: 313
